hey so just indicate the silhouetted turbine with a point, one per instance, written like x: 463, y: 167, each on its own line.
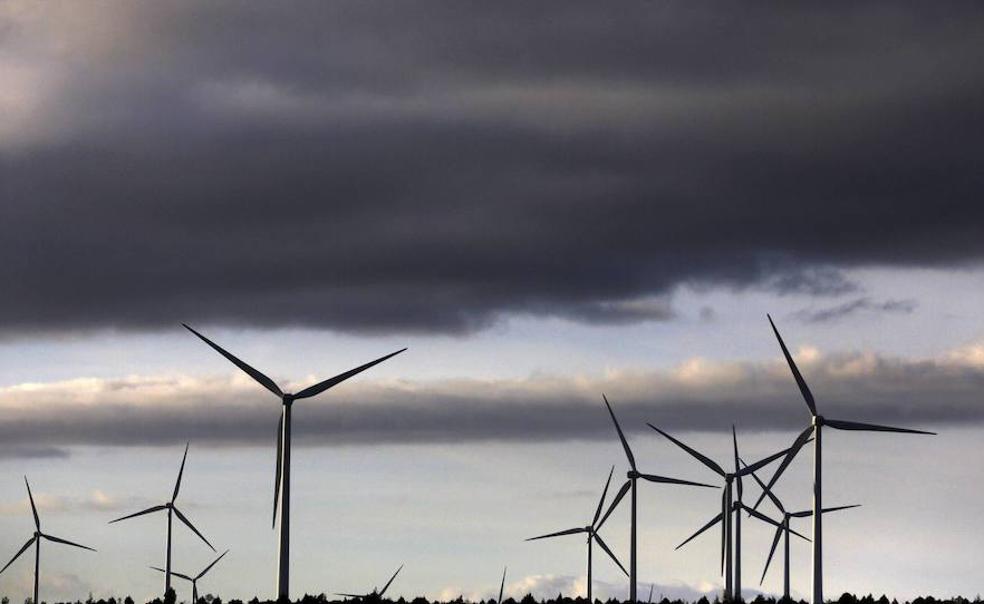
x: 630, y: 484
x: 281, y: 487
x: 728, y: 517
x: 377, y: 595
x: 784, y: 530
x: 172, y: 510
x: 815, y: 429
x: 592, y: 531
x: 36, y: 541
x: 194, y: 580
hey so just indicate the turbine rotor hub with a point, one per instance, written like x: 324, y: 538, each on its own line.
x: 632, y: 474
x: 288, y: 398
x: 818, y: 420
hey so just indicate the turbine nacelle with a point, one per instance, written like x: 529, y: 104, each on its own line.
x: 818, y: 420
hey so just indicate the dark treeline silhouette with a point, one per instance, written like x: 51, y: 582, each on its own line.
x: 528, y: 599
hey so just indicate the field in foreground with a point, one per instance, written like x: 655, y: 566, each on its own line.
x: 529, y: 599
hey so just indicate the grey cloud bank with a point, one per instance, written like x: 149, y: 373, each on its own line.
x: 380, y: 168
x: 696, y: 396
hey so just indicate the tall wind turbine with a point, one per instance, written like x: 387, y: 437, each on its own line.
x: 35, y: 540
x: 374, y: 595
x: 282, y: 483
x: 630, y: 485
x: 784, y: 530
x: 728, y: 517
x: 172, y: 510
x: 592, y: 531
x: 815, y: 428
x: 194, y: 580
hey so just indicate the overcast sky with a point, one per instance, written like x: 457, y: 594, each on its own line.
x: 544, y: 201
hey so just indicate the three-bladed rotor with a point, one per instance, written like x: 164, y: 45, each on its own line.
x: 377, y: 594
x: 171, y: 505
x: 35, y: 540
x: 592, y: 529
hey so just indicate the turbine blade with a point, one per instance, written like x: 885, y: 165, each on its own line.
x: 767, y: 520
x: 766, y: 461
x: 151, y: 510
x: 847, y: 425
x: 611, y: 508
x: 174, y: 574
x: 502, y: 586
x: 772, y: 551
x: 666, y: 480
x: 839, y: 508
x: 209, y: 567
x: 601, y: 502
x: 621, y: 436
x: 608, y: 551
x: 66, y: 542
x: 572, y: 531
x: 276, y: 483
x: 792, y: 451
x: 19, y: 552
x: 177, y: 485
x: 768, y: 492
x: 188, y: 523
x: 734, y: 437
x: 713, y: 521
x: 325, y: 385
x: 808, y: 513
x: 253, y: 373
x: 804, y: 389
x: 385, y: 587
x: 724, y: 525
x: 707, y: 461
x: 34, y: 509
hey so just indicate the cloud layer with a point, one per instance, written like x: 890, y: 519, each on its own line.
x: 697, y: 395
x: 372, y: 167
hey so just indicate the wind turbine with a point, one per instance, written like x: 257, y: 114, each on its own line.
x: 784, y: 530
x: 630, y: 484
x: 502, y: 586
x: 815, y: 428
x: 592, y: 531
x: 36, y: 541
x: 194, y: 580
x: 728, y: 517
x: 282, y: 483
x: 172, y: 510
x: 374, y: 595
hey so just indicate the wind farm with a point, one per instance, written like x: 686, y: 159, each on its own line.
x: 450, y: 263
x: 732, y: 498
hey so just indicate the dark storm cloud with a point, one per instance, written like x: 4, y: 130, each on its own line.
x: 379, y: 167
x: 698, y: 395
x: 851, y: 307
